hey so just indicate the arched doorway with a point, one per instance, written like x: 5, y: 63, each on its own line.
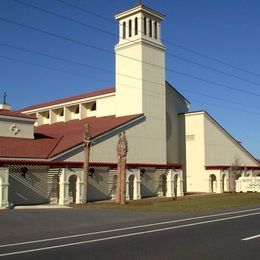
x: 163, y: 185
x: 1, y: 190
x: 175, y: 190
x: 224, y: 183
x: 212, y: 183
x: 72, y: 188
x: 131, y: 186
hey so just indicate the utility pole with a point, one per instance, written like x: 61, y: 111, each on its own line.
x: 122, y: 149
x: 87, y: 143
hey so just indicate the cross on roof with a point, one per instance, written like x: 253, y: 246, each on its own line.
x: 139, y: 2
x: 5, y: 96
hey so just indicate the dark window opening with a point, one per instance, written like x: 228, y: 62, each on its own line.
x: 94, y: 107
x: 155, y: 30
x: 130, y: 28
x: 150, y: 28
x: 145, y: 26
x: 124, y: 30
x: 136, y: 26
x: 77, y: 110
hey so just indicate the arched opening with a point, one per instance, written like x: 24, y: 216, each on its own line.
x: 151, y: 28
x: 1, y: 191
x: 212, y: 183
x: 145, y: 26
x: 136, y: 26
x: 131, y: 187
x: 72, y: 188
x: 130, y: 28
x: 224, y: 183
x: 175, y: 187
x: 124, y: 30
x: 163, y: 184
x: 155, y: 30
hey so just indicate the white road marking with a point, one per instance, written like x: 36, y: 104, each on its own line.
x: 126, y: 228
x: 250, y: 238
x: 127, y: 235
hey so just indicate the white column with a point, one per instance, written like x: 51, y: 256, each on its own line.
x: 170, y: 184
x: 79, y: 189
x: 64, y: 189
x: 180, y: 184
x: 159, y: 31
x: 219, y: 186
x: 4, y: 184
x: 219, y: 182
x: 127, y: 189
x: 210, y: 187
x: 137, y: 186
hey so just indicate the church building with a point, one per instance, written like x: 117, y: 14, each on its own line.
x: 171, y: 151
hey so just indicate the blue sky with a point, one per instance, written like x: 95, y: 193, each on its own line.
x: 227, y: 30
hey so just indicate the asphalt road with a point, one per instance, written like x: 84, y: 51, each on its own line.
x: 110, y: 234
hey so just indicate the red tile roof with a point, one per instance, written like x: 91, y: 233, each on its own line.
x: 70, y: 99
x: 6, y: 112
x: 52, y: 140
x: 73, y: 164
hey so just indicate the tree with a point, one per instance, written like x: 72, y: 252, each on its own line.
x: 87, y: 143
x: 234, y: 171
x: 122, y: 149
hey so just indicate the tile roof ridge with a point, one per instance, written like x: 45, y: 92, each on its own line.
x: 13, y: 113
x: 55, y: 146
x: 70, y: 99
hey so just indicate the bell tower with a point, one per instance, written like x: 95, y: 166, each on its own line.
x: 140, y: 71
x: 140, y: 61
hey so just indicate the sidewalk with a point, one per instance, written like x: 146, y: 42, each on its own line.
x: 44, y: 206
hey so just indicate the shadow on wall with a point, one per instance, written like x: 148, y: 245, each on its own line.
x: 97, y: 189
x: 28, y: 190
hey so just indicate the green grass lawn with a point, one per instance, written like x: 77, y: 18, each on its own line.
x: 184, y: 204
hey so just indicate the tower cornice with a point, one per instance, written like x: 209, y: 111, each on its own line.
x: 137, y: 9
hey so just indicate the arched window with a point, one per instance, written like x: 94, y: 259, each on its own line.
x: 155, y: 30
x: 130, y: 28
x: 151, y: 28
x: 145, y: 26
x: 124, y: 30
x: 136, y: 26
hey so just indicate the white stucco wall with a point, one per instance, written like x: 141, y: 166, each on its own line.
x: 195, y: 152
x: 16, y: 127
x: 175, y: 127
x: 222, y: 149
x: 143, y: 147
x: 208, y: 144
x: 140, y: 87
x: 106, y: 106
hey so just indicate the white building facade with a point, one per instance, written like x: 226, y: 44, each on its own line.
x: 171, y: 151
